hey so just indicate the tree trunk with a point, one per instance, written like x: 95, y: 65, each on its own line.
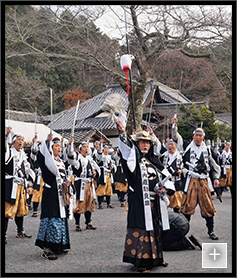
x: 138, y: 93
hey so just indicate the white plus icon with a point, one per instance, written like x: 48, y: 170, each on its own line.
x: 214, y: 254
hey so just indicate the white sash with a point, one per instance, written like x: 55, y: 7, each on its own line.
x: 16, y: 181
x: 83, y: 178
x: 146, y: 196
x: 84, y: 181
x: 82, y: 190
x: 168, y: 160
x: 225, y: 156
x: 93, y: 190
x: 53, y: 168
x: 38, y: 174
x: 72, y: 203
x: 192, y: 174
x: 59, y: 182
x: 164, y: 214
x: 172, y: 158
x: 108, y: 171
x: 195, y: 150
x: 38, y: 179
x: 164, y: 202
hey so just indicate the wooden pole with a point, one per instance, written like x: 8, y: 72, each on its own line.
x: 74, y: 121
x: 63, y: 123
x: 51, y: 109
x: 8, y: 103
x: 130, y: 74
x: 35, y: 121
x: 164, y: 129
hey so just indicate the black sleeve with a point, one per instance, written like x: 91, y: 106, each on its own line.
x: 47, y: 176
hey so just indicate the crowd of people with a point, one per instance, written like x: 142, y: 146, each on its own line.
x: 148, y: 176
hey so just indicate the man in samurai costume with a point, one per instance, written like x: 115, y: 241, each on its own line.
x: 198, y: 166
x: 147, y: 201
x: 226, y: 167
x: 92, y: 156
x: 84, y: 169
x: 39, y: 183
x: 53, y: 234
x: 94, y: 149
x: 19, y: 178
x: 121, y: 185
x: 104, y: 182
x: 173, y: 162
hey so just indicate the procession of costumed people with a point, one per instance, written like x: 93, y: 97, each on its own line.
x: 158, y: 184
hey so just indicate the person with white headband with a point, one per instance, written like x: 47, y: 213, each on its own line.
x: 84, y: 170
x: 39, y: 183
x: 173, y: 162
x: 92, y: 154
x: 104, y: 182
x: 148, y: 186
x: 53, y: 233
x: 94, y: 149
x: 19, y: 178
x: 226, y: 167
x: 198, y: 166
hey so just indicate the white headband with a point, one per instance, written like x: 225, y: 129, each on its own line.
x: 96, y: 142
x: 82, y: 144
x: 56, y: 142
x: 16, y: 137
x: 198, y: 130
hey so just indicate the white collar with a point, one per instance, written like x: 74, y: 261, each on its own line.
x: 84, y: 159
x: 196, y: 149
x: 172, y: 154
x: 16, y: 153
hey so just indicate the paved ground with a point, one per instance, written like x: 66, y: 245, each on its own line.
x: 101, y: 250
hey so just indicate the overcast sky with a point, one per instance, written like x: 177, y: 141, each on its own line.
x: 112, y: 23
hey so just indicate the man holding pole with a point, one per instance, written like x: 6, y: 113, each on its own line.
x: 19, y: 178
x: 147, y: 200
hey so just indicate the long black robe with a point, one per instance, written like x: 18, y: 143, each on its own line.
x: 143, y: 248
x: 50, y: 201
x: 135, y: 199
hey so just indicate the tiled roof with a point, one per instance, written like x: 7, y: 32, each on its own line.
x: 158, y: 106
x: 171, y: 95
x: 98, y: 123
x: 81, y: 135
x: 88, y: 109
x: 225, y: 118
x: 64, y: 119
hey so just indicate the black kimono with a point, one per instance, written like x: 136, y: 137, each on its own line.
x: 143, y: 245
x: 53, y: 212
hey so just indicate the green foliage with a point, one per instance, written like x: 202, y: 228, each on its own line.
x: 224, y: 132
x: 15, y: 72
x: 192, y: 118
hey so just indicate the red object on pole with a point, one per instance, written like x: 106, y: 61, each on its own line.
x: 126, y: 63
x: 127, y: 71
